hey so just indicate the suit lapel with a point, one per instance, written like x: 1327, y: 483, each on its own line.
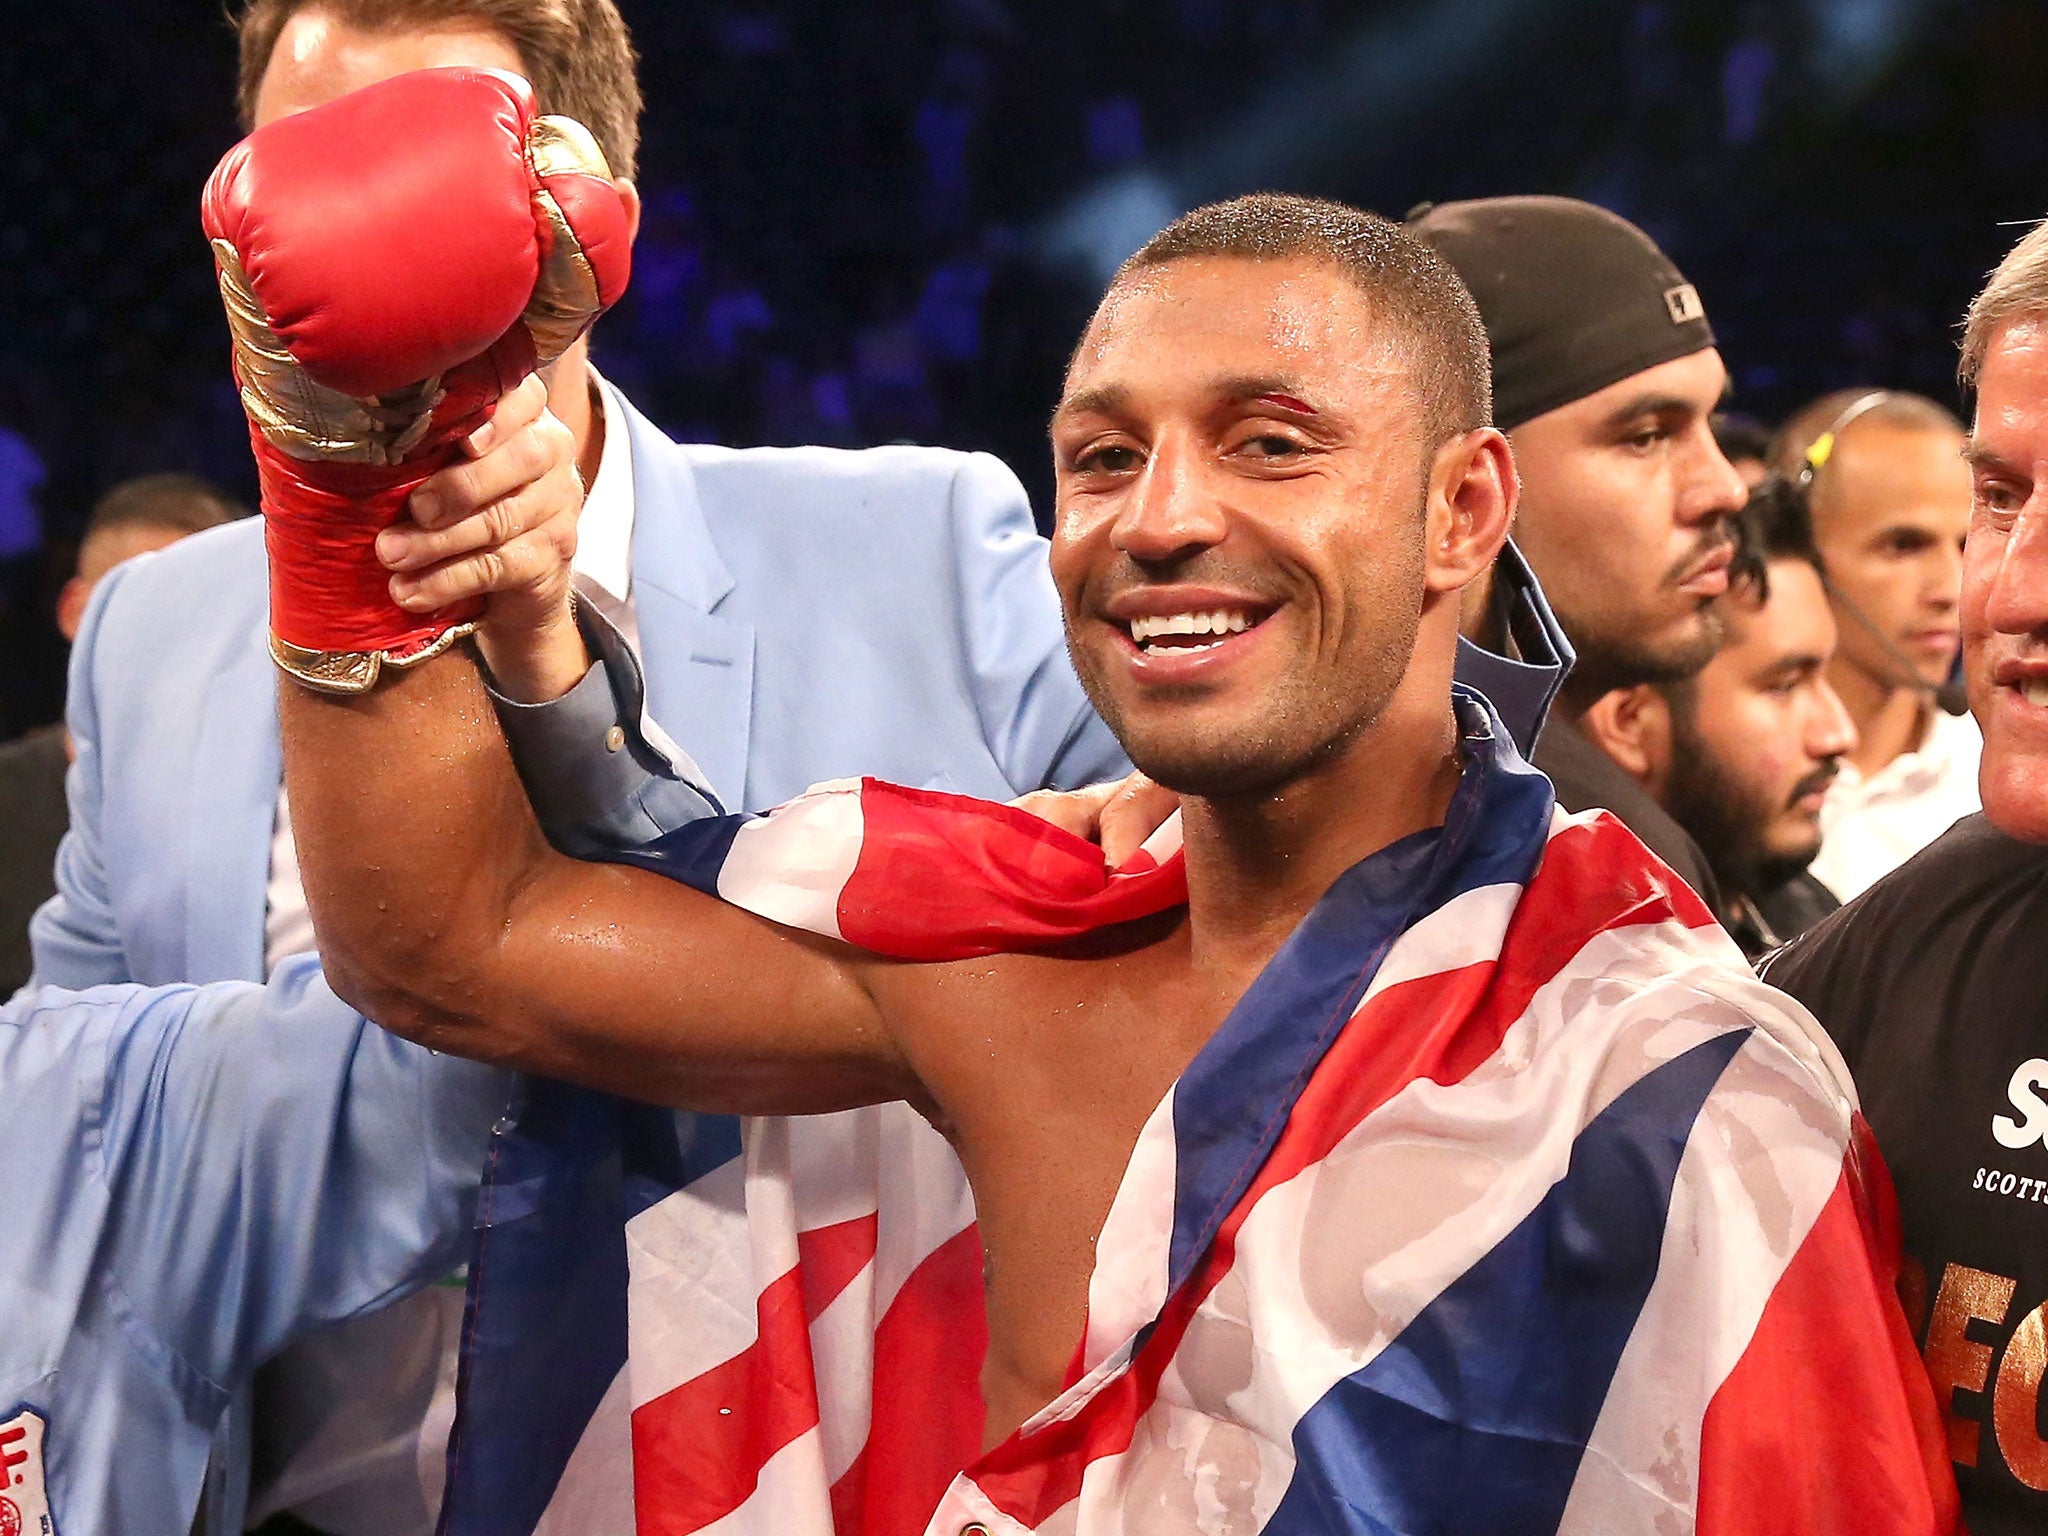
x: 699, y: 661
x: 237, y: 765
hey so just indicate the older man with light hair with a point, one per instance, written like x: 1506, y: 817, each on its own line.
x: 1935, y: 982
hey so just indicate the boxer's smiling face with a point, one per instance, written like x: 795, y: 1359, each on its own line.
x: 1239, y: 533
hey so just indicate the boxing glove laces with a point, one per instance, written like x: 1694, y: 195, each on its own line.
x: 391, y: 263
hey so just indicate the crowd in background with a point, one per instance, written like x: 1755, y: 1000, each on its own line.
x: 875, y: 224
x: 887, y: 223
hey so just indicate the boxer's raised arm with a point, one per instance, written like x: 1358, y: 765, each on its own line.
x: 443, y: 914
x: 393, y: 264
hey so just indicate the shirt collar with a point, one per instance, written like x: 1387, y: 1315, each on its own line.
x: 604, y: 533
x: 1949, y: 747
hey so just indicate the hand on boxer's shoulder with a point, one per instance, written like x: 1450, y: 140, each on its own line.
x: 1119, y: 815
x: 500, y: 524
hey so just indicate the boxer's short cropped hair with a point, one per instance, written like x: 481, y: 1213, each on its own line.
x: 1436, y: 325
x: 2019, y: 286
x: 578, y: 54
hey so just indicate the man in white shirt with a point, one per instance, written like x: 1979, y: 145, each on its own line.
x: 1890, y: 496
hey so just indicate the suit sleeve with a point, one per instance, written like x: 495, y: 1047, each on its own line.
x: 274, y: 1163
x: 602, y: 776
x: 1037, y: 722
x: 74, y: 937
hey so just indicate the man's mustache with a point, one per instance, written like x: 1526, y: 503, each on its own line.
x: 1816, y: 782
x: 1721, y: 536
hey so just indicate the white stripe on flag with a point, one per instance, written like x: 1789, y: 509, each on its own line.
x: 595, y: 1494
x: 1128, y: 1286
x: 690, y: 1298
x: 791, y: 865
x: 791, y: 1499
x: 1334, y: 1263
x: 926, y: 1200
x: 1755, y: 1176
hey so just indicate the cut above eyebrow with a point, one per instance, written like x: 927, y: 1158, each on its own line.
x: 1287, y: 403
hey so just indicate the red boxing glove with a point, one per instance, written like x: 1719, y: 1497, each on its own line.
x: 392, y: 262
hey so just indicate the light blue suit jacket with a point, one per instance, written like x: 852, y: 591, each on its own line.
x: 804, y: 614
x: 193, y: 1177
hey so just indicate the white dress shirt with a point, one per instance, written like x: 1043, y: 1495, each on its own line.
x: 1870, y: 826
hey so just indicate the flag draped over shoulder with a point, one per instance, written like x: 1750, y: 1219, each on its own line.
x: 1504, y: 1201
x: 801, y: 1298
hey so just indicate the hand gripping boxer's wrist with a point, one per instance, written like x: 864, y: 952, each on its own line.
x: 392, y: 263
x: 501, y: 524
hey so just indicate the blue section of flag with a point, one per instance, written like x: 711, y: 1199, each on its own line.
x: 692, y: 854
x: 1233, y: 1101
x: 544, y: 1328
x: 1475, y: 1419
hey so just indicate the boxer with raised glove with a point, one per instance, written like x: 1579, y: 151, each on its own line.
x: 392, y: 263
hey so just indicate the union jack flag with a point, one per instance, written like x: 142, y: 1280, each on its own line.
x: 1506, y: 1200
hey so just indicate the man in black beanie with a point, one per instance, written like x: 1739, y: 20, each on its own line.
x: 1605, y: 378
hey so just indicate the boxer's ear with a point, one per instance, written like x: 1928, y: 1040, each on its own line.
x: 1470, y: 506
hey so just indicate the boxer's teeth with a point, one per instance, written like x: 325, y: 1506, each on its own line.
x: 2035, y: 691
x: 1221, y: 621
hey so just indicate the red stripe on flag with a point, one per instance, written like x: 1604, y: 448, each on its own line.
x: 928, y: 1413
x: 1798, y: 1441
x: 1594, y: 878
x: 828, y: 1258
x: 945, y: 877
x: 698, y: 1449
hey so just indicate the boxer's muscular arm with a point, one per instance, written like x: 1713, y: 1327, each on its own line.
x: 443, y: 914
x: 440, y: 910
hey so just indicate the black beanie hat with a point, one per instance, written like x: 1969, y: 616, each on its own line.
x: 1574, y: 298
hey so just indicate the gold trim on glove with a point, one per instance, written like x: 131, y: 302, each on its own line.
x: 354, y: 671
x: 303, y: 418
x: 565, y: 298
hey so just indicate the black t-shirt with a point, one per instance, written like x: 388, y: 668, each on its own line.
x: 1934, y: 984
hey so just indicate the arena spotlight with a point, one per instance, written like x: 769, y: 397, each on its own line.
x: 1390, y: 74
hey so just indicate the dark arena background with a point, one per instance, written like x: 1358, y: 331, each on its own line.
x: 879, y: 220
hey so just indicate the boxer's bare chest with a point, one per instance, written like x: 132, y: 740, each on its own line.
x: 1046, y: 1069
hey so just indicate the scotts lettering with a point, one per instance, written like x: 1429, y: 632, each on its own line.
x: 1959, y: 1364
x: 2032, y: 1124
